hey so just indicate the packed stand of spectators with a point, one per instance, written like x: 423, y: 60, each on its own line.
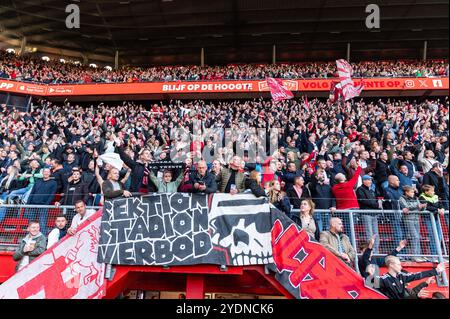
x: 333, y: 157
x: 31, y: 69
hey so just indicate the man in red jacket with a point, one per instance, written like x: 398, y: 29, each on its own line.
x: 344, y: 192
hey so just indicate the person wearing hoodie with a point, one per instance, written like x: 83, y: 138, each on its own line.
x: 30, y: 247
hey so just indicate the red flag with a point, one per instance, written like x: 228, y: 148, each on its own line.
x: 277, y: 90
x: 349, y: 89
x: 305, y: 100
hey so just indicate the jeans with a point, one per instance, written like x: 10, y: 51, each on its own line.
x: 3, y: 197
x: 23, y: 193
x: 396, y: 223
x: 323, y: 221
x: 412, y: 225
x: 431, y: 237
x: 371, y: 228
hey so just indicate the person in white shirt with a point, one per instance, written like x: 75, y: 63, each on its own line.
x: 58, y: 232
x: 82, y: 215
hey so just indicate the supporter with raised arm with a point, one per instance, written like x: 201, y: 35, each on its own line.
x: 140, y: 173
x: 367, y: 259
x: 393, y: 283
x: 231, y: 180
x: 166, y: 185
x: 112, y: 187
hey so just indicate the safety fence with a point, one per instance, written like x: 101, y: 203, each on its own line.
x: 14, y: 220
x: 426, y: 233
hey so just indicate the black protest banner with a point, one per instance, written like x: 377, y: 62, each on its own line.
x: 186, y: 229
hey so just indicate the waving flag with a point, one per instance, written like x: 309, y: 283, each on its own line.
x: 305, y: 101
x: 277, y: 90
x: 349, y: 89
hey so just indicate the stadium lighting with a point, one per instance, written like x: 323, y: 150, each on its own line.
x: 45, y: 58
x: 109, y: 68
x: 62, y: 60
x: 93, y: 65
x: 11, y: 50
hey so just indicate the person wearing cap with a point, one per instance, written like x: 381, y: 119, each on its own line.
x: 367, y: 201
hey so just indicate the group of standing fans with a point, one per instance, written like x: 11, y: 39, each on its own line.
x: 367, y: 155
x: 33, y: 69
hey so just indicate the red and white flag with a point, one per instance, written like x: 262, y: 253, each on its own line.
x: 68, y: 270
x: 305, y: 101
x: 278, y: 91
x: 348, y: 87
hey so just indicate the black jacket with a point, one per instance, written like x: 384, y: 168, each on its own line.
x: 365, y: 261
x: 431, y: 178
x: 137, y: 173
x: 366, y: 198
x: 43, y: 192
x: 209, y: 180
x: 395, y: 288
x: 293, y: 197
x: 381, y: 171
x: 75, y: 192
x: 298, y: 221
x: 321, y: 194
x: 108, y: 191
x: 256, y: 189
x: 60, y: 177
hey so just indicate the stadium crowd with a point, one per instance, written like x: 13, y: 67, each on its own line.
x: 31, y: 69
x: 317, y: 156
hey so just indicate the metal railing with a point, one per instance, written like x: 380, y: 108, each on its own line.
x: 14, y: 220
x: 426, y: 233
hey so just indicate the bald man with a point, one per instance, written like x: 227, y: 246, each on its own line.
x: 337, y: 242
x: 203, y: 181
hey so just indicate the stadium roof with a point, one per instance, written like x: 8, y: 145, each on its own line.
x: 152, y: 32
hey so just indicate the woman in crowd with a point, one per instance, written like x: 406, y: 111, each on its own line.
x: 253, y: 183
x: 278, y: 198
x: 306, y: 219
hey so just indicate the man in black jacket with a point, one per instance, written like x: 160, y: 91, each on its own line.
x: 393, y: 283
x: 434, y: 177
x: 42, y: 193
x: 367, y: 200
x: 140, y: 173
x: 76, y: 190
x: 382, y: 172
x: 322, y: 195
x: 203, y: 181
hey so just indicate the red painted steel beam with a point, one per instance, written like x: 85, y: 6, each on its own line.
x: 195, y: 286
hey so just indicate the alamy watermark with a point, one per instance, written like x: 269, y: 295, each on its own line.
x: 73, y: 19
x: 373, y: 19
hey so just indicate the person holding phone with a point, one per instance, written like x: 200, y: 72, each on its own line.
x: 31, y: 246
x: 203, y: 181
